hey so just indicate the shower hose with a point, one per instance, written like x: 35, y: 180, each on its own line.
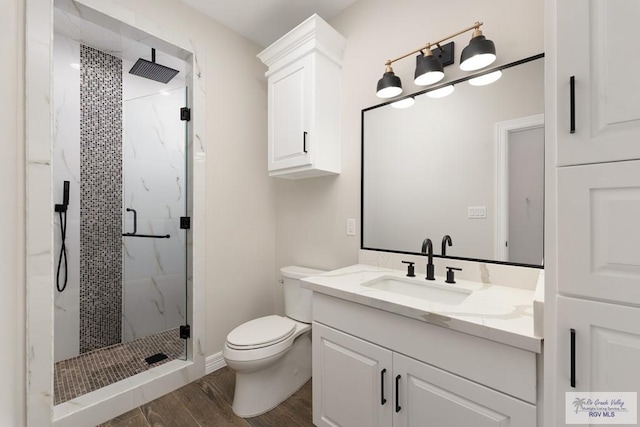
x: 63, y: 253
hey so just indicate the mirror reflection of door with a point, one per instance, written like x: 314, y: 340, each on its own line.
x: 526, y: 195
x: 520, y: 190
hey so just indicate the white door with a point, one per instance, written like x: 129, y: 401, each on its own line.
x: 599, y: 231
x: 351, y: 381
x: 428, y: 396
x: 607, y: 349
x: 526, y: 195
x: 289, y: 100
x: 596, y: 42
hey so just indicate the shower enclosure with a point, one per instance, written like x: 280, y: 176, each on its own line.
x: 121, y: 253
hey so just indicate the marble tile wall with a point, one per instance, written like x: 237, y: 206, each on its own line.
x: 154, y: 185
x: 66, y: 167
x: 101, y: 195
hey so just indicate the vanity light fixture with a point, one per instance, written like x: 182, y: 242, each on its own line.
x: 429, y: 70
x: 485, y: 79
x: 389, y: 85
x: 404, y: 102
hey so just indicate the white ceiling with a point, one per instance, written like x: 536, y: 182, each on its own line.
x: 265, y: 21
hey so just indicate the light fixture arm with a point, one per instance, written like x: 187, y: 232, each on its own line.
x: 475, y: 26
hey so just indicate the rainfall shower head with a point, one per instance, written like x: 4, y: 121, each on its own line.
x: 152, y: 70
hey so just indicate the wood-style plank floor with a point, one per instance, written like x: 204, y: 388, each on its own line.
x: 207, y: 402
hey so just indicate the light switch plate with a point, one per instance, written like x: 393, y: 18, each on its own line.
x: 351, y: 227
x: 477, y: 212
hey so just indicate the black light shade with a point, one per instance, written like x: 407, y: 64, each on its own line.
x: 478, y: 54
x: 389, y: 85
x: 429, y: 70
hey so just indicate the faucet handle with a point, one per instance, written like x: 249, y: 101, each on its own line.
x: 410, y: 268
x: 450, y: 274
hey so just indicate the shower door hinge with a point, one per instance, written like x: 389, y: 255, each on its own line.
x: 185, y: 114
x: 185, y: 331
x: 185, y: 222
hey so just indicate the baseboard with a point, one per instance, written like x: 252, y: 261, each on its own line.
x: 214, y: 362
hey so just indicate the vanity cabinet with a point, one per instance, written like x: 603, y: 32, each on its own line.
x: 304, y: 101
x: 594, y: 39
x: 375, y: 368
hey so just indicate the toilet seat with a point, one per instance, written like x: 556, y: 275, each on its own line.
x: 262, y: 332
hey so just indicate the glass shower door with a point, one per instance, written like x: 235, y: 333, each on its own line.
x: 154, y: 245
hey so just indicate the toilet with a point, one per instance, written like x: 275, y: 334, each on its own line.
x: 271, y: 355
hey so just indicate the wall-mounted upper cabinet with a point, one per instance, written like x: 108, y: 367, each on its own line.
x: 596, y: 41
x: 304, y: 101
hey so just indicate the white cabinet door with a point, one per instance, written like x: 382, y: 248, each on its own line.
x: 289, y: 105
x: 597, y: 43
x: 351, y: 381
x: 428, y: 396
x: 599, y: 231
x: 607, y: 349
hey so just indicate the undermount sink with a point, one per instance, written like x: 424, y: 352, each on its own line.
x: 424, y: 290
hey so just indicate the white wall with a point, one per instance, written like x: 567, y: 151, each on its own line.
x: 311, y: 214
x: 12, y: 234
x: 66, y: 167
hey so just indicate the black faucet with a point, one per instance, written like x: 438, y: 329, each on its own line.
x: 446, y: 240
x: 427, y: 249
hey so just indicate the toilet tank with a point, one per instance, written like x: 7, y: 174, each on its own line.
x: 297, y: 301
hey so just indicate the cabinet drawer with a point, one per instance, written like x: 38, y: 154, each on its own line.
x: 499, y: 366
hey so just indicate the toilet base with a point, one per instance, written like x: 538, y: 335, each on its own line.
x: 260, y: 391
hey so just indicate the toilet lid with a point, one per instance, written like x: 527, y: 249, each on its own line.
x: 261, y: 332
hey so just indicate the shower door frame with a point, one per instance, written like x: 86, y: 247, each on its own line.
x: 99, y: 406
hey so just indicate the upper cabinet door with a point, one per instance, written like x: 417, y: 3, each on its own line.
x: 289, y: 132
x: 597, y: 45
x: 305, y: 100
x: 599, y: 231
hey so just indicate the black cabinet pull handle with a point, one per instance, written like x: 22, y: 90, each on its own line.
x: 397, y: 393
x: 382, y: 399
x: 304, y: 141
x: 573, y: 358
x: 572, y: 96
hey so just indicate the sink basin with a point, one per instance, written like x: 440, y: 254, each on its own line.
x: 424, y: 290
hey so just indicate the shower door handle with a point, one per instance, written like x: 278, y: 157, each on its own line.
x: 135, y: 220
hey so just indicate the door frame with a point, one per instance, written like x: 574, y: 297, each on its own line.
x: 502, y: 132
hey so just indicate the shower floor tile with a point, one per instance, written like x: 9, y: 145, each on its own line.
x: 91, y: 371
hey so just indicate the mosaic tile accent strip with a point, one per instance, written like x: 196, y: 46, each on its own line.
x: 101, y: 195
x: 91, y: 371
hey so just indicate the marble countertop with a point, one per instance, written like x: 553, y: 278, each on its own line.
x: 499, y: 313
